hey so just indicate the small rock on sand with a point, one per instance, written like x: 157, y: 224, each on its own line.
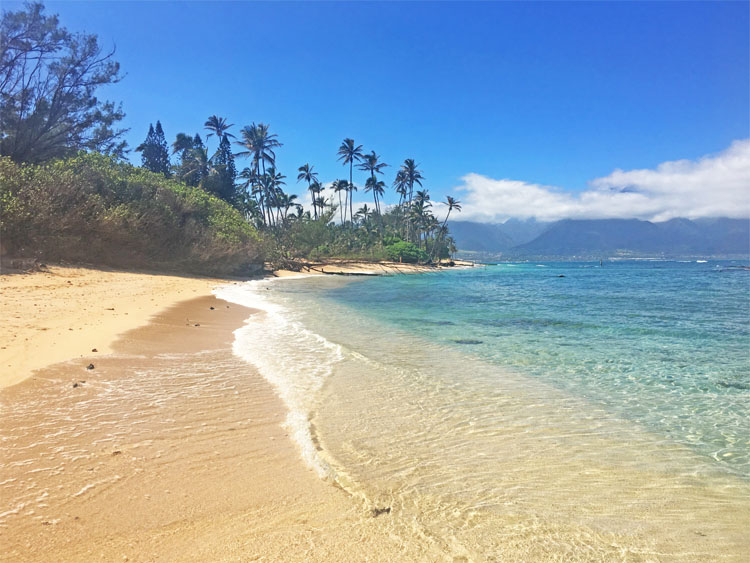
x: 90, y: 366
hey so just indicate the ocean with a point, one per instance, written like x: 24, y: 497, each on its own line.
x: 535, y: 410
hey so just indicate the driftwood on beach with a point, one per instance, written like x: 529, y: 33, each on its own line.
x: 349, y: 273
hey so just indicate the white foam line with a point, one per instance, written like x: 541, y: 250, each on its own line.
x: 295, y: 360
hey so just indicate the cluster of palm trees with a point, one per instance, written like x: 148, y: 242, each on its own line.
x: 196, y: 167
x: 259, y: 189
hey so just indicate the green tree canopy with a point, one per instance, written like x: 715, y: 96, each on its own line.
x: 49, y: 79
x: 154, y: 152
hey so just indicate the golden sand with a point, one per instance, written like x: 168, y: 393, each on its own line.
x: 65, y: 312
x: 169, y: 449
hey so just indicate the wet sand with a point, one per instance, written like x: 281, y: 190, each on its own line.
x: 171, y: 449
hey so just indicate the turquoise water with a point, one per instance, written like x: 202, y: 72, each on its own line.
x: 507, y: 413
x: 665, y: 344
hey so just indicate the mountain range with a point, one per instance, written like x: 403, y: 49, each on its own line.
x: 596, y: 238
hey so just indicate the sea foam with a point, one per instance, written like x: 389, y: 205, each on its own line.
x: 295, y: 360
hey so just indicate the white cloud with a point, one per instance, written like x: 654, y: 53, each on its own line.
x: 713, y: 186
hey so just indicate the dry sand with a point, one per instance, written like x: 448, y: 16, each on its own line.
x: 170, y: 449
x: 65, y: 312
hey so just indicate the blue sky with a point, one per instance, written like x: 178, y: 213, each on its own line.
x: 549, y: 94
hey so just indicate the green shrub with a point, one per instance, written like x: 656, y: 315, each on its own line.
x: 405, y: 252
x: 91, y: 208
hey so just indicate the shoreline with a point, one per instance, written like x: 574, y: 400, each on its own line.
x: 174, y: 448
x: 66, y: 311
x: 360, y: 268
x: 171, y: 448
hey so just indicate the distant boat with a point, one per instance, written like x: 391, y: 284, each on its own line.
x: 701, y: 261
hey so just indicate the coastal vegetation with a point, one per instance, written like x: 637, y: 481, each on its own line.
x: 94, y: 209
x: 67, y: 192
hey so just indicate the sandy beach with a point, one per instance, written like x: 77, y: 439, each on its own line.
x: 169, y: 449
x: 172, y: 448
x: 63, y: 312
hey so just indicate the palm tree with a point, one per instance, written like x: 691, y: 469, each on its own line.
x: 423, y: 196
x: 339, y: 186
x: 419, y: 213
x: 363, y: 214
x: 251, y: 186
x: 350, y: 189
x: 273, y: 181
x: 259, y: 145
x: 196, y: 166
x: 317, y: 189
x: 452, y: 204
x: 348, y: 154
x: 320, y: 202
x: 306, y: 173
x: 370, y: 163
x: 218, y: 126
x: 182, y: 143
x: 401, y: 185
x: 377, y: 187
x: 287, y: 201
x: 411, y: 175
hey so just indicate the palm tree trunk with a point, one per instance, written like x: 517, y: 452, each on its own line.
x: 350, y: 191
x: 408, y: 224
x: 312, y: 196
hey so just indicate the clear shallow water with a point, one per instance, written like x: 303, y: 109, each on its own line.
x: 665, y: 344
x: 508, y: 412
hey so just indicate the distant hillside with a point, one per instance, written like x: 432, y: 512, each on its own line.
x: 596, y: 237
x: 482, y: 237
x: 495, y: 237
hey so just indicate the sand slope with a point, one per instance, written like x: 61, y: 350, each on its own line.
x: 64, y: 312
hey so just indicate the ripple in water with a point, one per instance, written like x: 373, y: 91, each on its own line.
x: 562, y: 430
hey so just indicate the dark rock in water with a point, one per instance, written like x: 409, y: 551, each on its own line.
x: 733, y: 385
x: 90, y: 366
x: 561, y: 276
x: 378, y: 511
x: 466, y: 341
x: 94, y: 350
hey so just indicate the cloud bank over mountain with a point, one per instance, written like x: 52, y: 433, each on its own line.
x: 713, y: 186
